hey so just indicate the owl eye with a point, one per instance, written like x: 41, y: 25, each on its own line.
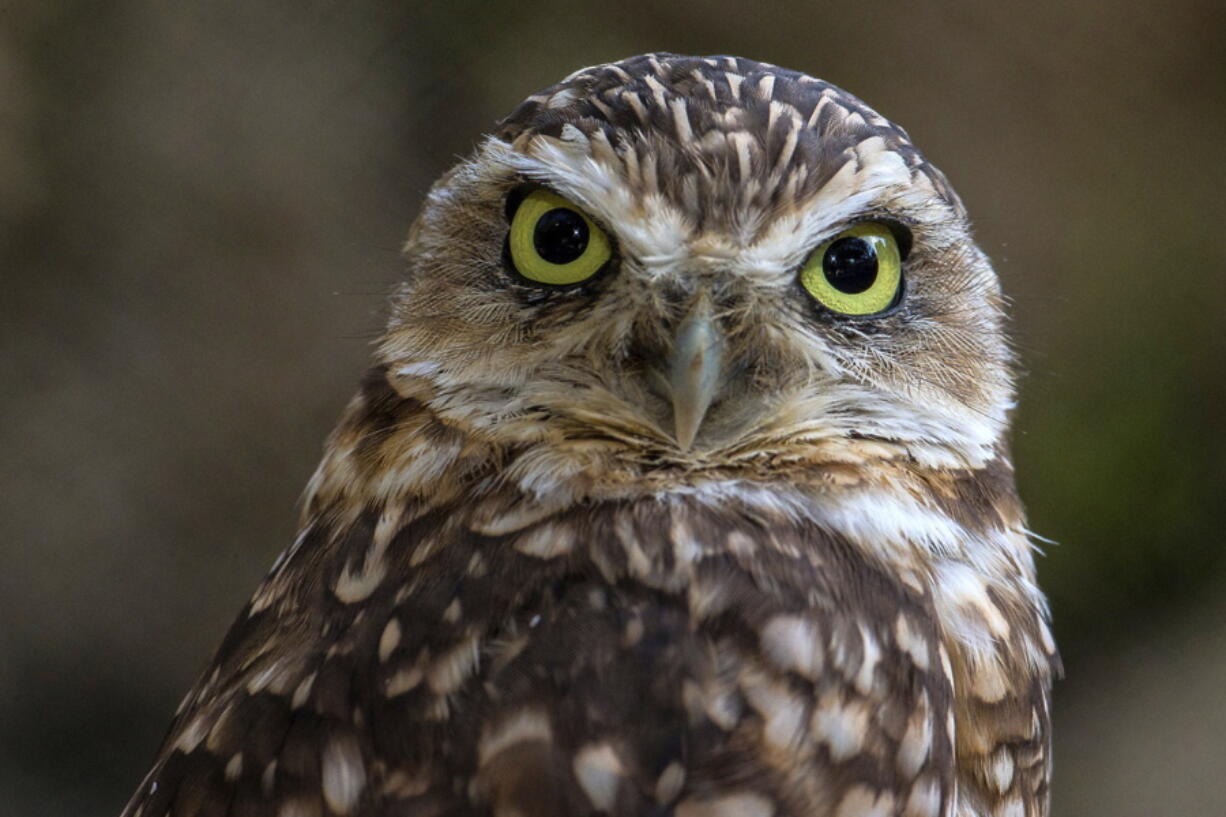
x: 858, y: 272
x: 552, y: 242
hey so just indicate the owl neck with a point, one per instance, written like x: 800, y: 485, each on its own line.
x: 392, y: 449
x: 391, y: 446
x: 960, y: 531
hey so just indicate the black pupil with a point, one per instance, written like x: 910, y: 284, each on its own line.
x: 560, y: 236
x: 850, y: 265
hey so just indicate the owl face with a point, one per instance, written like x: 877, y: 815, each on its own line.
x: 683, y: 264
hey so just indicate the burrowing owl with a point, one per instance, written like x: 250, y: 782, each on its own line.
x: 679, y: 485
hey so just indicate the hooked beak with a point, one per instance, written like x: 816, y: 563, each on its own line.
x: 695, y: 369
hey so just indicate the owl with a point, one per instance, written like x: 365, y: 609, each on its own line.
x: 679, y: 486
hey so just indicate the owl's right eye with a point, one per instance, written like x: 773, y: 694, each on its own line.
x: 552, y: 242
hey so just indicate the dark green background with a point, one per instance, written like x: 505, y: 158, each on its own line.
x: 200, y: 212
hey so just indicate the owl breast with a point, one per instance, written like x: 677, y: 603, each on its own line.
x: 629, y: 658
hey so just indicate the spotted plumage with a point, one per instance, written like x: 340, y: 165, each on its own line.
x: 677, y: 538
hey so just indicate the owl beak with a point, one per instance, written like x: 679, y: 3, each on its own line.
x: 695, y: 368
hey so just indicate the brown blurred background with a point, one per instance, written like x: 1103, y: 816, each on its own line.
x: 200, y: 212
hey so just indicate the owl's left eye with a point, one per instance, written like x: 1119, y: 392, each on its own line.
x: 858, y: 272
x: 553, y: 242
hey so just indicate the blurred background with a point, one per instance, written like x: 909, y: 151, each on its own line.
x: 201, y: 208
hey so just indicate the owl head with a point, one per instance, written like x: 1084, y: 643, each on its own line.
x: 679, y: 266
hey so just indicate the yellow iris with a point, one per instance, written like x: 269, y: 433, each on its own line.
x: 553, y: 242
x: 858, y: 272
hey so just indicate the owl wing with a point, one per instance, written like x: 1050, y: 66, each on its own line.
x: 649, y: 658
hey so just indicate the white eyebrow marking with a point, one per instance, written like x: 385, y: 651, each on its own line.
x: 734, y: 84
x: 681, y: 119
